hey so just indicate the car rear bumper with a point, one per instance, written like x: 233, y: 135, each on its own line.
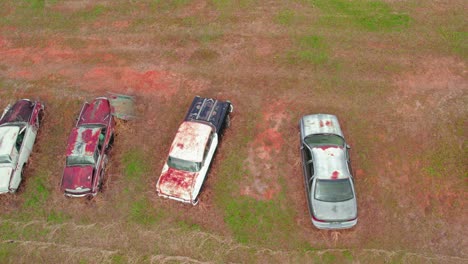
x: 73, y: 193
x: 334, y: 225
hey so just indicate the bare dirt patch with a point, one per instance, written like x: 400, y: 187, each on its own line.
x: 262, y: 183
x: 429, y: 91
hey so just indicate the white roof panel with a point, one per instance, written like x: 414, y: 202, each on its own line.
x: 321, y: 124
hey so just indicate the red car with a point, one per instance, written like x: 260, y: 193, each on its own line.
x: 88, y: 146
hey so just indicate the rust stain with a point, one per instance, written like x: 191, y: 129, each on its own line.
x: 334, y: 175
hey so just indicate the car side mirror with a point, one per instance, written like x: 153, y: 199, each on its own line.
x: 348, y: 146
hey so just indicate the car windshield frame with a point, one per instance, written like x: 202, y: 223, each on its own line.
x: 339, y: 190
x: 6, y: 159
x: 324, y: 140
x: 76, y: 160
x: 184, y: 165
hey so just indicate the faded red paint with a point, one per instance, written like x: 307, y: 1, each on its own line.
x: 180, y: 145
x: 176, y: 183
x: 21, y: 111
x: 89, y: 138
x: 96, y: 112
x: 77, y: 176
x: 335, y: 175
x: 326, y: 123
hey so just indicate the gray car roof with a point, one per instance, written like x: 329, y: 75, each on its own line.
x: 320, y: 124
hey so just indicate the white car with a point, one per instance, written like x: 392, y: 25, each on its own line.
x: 18, y: 129
x: 192, y: 150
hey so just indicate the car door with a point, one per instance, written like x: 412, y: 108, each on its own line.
x: 209, y: 153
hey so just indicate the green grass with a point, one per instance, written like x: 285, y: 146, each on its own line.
x: 163, y: 5
x: 286, y: 17
x: 37, y: 192
x: 310, y: 49
x: 57, y: 217
x: 368, y: 15
x: 457, y: 41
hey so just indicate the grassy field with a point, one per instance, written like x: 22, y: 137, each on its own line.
x: 394, y: 72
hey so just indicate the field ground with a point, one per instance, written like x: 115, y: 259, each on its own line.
x: 394, y: 72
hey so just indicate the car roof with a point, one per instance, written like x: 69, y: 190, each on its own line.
x: 8, y: 135
x: 96, y: 112
x: 330, y: 163
x: 19, y: 112
x: 320, y: 124
x: 83, y: 141
x: 190, y: 141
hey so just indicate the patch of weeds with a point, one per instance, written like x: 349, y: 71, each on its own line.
x: 37, y: 191
x: 6, y: 251
x: 57, y: 217
x: 457, y: 41
x: 203, y: 56
x: 165, y: 5
x: 134, y: 165
x: 36, y: 4
x: 188, y: 227
x: 7, y: 230
x: 119, y: 259
x: 328, y: 257
x: 348, y: 255
x: 285, y: 17
x: 225, y: 5
x: 369, y: 15
x: 264, y: 222
x: 308, y: 248
x: 310, y: 49
x: 141, y: 212
x: 189, y: 21
x: 92, y: 14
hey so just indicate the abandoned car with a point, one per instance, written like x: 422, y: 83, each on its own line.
x: 327, y: 173
x: 192, y: 150
x: 18, y: 130
x: 87, y: 149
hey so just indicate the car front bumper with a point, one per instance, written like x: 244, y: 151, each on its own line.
x: 334, y: 225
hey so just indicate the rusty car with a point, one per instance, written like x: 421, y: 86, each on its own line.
x: 327, y: 173
x: 192, y: 150
x: 19, y: 125
x: 88, y: 148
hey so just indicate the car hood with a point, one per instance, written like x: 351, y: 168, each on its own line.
x: 176, y: 183
x: 5, y: 176
x: 77, y: 177
x: 335, y: 211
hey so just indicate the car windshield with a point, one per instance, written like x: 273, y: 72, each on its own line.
x: 333, y: 190
x: 5, y: 159
x: 183, y: 164
x: 80, y: 160
x: 324, y: 139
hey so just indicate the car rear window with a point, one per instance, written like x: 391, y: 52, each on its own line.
x: 333, y: 190
x: 324, y: 139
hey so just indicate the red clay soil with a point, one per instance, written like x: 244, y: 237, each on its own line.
x: 262, y: 184
x: 56, y: 60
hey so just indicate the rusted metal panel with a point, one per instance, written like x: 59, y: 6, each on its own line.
x: 96, y: 112
x: 20, y: 112
x: 330, y: 163
x: 123, y: 106
x: 83, y: 141
x: 78, y: 177
x: 321, y: 124
x: 177, y: 184
x: 190, y: 141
